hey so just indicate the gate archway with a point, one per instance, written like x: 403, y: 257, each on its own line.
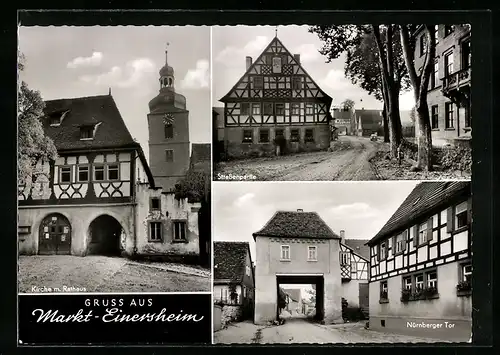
x: 54, y: 235
x: 104, y: 236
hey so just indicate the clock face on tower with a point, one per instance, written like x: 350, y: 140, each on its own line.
x: 168, y: 119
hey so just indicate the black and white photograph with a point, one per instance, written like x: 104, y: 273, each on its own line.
x: 114, y: 159
x: 343, y: 262
x: 342, y: 102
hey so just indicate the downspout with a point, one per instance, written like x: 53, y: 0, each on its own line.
x: 134, y: 205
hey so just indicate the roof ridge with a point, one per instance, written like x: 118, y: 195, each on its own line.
x: 79, y: 98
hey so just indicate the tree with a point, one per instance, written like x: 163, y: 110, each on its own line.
x: 195, y: 186
x: 413, y: 115
x: 374, y: 61
x: 347, y: 103
x: 420, y: 84
x: 33, y: 144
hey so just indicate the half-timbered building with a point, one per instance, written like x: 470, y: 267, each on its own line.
x: 99, y: 195
x: 275, y: 103
x: 421, y: 266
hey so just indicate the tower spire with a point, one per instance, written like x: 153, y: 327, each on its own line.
x: 166, y: 53
x: 276, y: 32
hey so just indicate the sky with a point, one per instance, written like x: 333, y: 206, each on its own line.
x: 66, y: 62
x: 231, y: 44
x: 359, y: 208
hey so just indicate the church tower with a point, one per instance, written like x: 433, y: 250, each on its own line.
x: 168, y: 124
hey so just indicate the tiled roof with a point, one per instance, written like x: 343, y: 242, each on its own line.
x: 424, y: 197
x: 111, y: 132
x: 293, y: 293
x: 296, y: 225
x: 359, y: 247
x: 229, y: 260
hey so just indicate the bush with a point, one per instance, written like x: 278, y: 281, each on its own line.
x: 457, y: 158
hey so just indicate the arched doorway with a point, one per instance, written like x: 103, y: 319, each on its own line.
x: 54, y: 235
x: 104, y: 236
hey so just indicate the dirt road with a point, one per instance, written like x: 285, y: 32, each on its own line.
x: 349, y: 162
x: 303, y: 331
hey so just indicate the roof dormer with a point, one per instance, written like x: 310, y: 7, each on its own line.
x: 88, y: 130
x: 57, y: 118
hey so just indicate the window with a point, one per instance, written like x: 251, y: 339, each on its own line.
x: 312, y: 253
x: 435, y: 75
x: 383, y: 290
x: 297, y: 82
x: 280, y: 109
x: 278, y: 133
x: 436, y: 34
x: 448, y: 29
x: 450, y: 119
x: 285, y: 252
x: 419, y: 282
x: 276, y: 64
x: 309, y: 136
x: 295, y: 109
x: 383, y: 251
x: 400, y: 244
x: 466, y: 273
x: 247, y: 136
x: 309, y: 109
x: 268, y: 108
x: 466, y: 54
x: 422, y: 233
x: 434, y: 117
x: 86, y: 132
x: 258, y: 82
x: 247, y: 270
x: 169, y: 131
x: 83, y: 173
x: 423, y: 44
x: 294, y: 135
x: 113, y: 172
x: 65, y: 175
x: 448, y: 64
x: 264, y: 136
x: 256, y: 108
x: 169, y: 155
x: 155, y: 231
x: 245, y: 108
x: 407, y: 283
x: 461, y: 219
x: 179, y: 231
x: 432, y: 279
x: 155, y: 203
x: 354, y: 267
x: 345, y: 258
x: 99, y: 173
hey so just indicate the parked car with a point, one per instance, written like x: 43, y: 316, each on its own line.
x: 373, y: 137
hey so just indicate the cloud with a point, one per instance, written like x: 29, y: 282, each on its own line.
x: 235, y: 56
x: 335, y: 80
x: 197, y: 78
x: 242, y: 200
x: 308, y: 53
x: 94, y: 60
x: 357, y: 210
x: 130, y: 75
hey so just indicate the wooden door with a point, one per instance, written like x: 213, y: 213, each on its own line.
x: 364, y: 303
x: 55, y: 236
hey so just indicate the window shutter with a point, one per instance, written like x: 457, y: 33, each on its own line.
x: 449, y: 220
x: 378, y: 252
x: 406, y: 236
x: 469, y: 210
x: 415, y: 235
x: 429, y: 229
x: 394, y: 245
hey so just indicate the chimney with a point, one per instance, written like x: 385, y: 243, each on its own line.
x: 297, y: 58
x: 342, y: 236
x: 300, y: 210
x: 249, y: 62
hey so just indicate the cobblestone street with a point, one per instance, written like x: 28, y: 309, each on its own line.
x: 63, y: 273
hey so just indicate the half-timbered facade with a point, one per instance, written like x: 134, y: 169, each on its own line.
x: 275, y: 103
x: 99, y: 195
x: 354, y: 275
x: 421, y: 266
